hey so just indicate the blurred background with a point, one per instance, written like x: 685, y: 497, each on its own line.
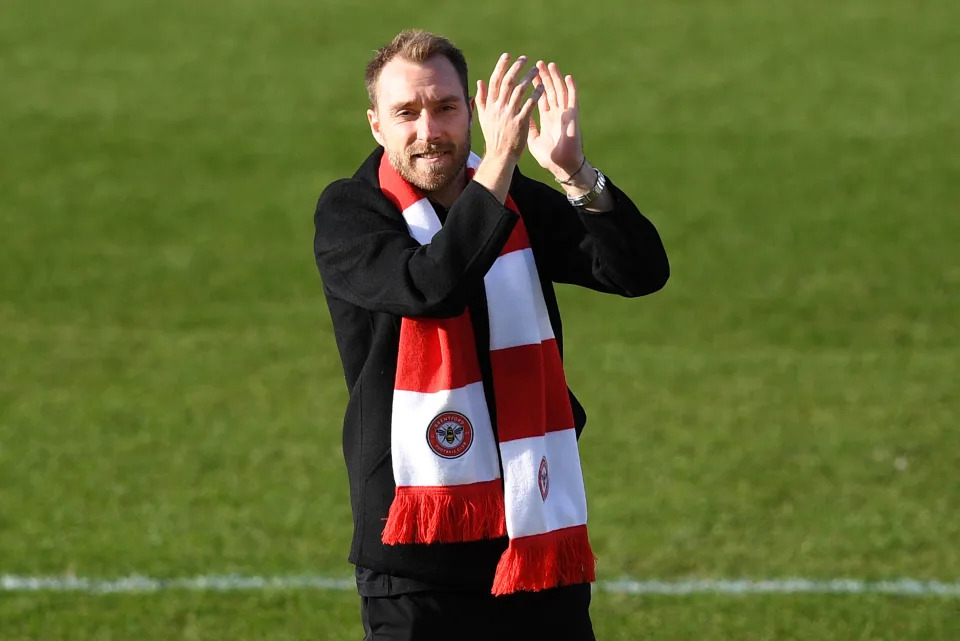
x: 170, y: 391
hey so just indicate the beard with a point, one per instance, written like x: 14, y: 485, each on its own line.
x: 435, y: 176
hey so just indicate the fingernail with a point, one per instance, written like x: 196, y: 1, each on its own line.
x: 504, y: 54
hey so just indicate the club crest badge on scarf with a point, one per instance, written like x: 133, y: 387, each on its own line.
x: 543, y: 479
x: 450, y: 435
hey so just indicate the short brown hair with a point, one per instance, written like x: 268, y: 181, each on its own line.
x: 418, y: 46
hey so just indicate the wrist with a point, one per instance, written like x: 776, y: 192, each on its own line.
x: 501, y: 158
x: 495, y: 173
x: 567, y: 175
x: 582, y: 182
x: 595, y: 192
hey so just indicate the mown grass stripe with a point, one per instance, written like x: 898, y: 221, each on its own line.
x: 135, y: 584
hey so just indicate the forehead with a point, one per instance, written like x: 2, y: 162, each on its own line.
x: 403, y: 81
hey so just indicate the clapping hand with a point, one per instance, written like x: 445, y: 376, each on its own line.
x: 505, y: 111
x: 556, y: 145
x: 504, y: 108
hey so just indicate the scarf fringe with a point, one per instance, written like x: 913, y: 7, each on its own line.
x: 539, y: 562
x: 447, y: 514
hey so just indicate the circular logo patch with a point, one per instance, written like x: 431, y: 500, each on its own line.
x: 450, y: 435
x: 543, y: 479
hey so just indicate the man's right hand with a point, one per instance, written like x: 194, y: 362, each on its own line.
x: 504, y: 114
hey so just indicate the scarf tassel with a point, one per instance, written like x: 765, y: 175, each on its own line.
x: 539, y: 562
x: 447, y: 514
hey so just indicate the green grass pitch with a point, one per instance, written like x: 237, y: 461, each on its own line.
x: 170, y: 393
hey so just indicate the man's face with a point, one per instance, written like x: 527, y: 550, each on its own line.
x: 423, y: 121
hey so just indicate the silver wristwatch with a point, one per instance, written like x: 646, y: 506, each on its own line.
x: 590, y: 196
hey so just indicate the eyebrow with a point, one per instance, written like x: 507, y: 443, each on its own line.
x: 406, y: 105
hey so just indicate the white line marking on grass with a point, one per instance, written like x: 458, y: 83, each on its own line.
x: 137, y: 584
x: 901, y: 587
x: 233, y: 582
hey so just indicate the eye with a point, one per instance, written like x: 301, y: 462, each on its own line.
x: 448, y: 108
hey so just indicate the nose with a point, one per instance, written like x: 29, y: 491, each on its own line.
x: 428, y: 128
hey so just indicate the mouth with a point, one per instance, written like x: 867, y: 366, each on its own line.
x: 432, y: 156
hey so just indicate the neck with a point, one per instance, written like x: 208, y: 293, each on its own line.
x: 446, y: 196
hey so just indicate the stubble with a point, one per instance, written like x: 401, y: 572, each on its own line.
x: 430, y: 179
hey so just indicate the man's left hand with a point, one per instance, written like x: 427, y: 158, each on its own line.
x: 556, y: 145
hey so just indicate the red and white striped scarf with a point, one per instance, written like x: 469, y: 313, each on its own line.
x: 445, y: 452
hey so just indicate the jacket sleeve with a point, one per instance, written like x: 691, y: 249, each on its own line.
x: 367, y: 257
x: 618, y: 251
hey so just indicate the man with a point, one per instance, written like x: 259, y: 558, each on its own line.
x: 460, y: 435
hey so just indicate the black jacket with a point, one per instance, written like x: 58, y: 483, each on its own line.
x: 374, y: 273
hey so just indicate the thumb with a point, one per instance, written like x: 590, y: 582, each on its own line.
x: 532, y: 132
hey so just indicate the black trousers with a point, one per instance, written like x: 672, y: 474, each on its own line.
x: 561, y: 614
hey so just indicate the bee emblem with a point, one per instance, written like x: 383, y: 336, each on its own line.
x: 450, y: 435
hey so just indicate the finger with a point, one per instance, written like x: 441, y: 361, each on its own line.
x: 543, y: 103
x: 549, y: 92
x: 571, y: 93
x: 497, y: 75
x: 527, y: 109
x: 510, y: 79
x: 558, y: 84
x: 521, y: 87
x: 481, y: 98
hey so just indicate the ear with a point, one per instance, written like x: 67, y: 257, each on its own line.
x: 374, y: 121
x: 472, y: 105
